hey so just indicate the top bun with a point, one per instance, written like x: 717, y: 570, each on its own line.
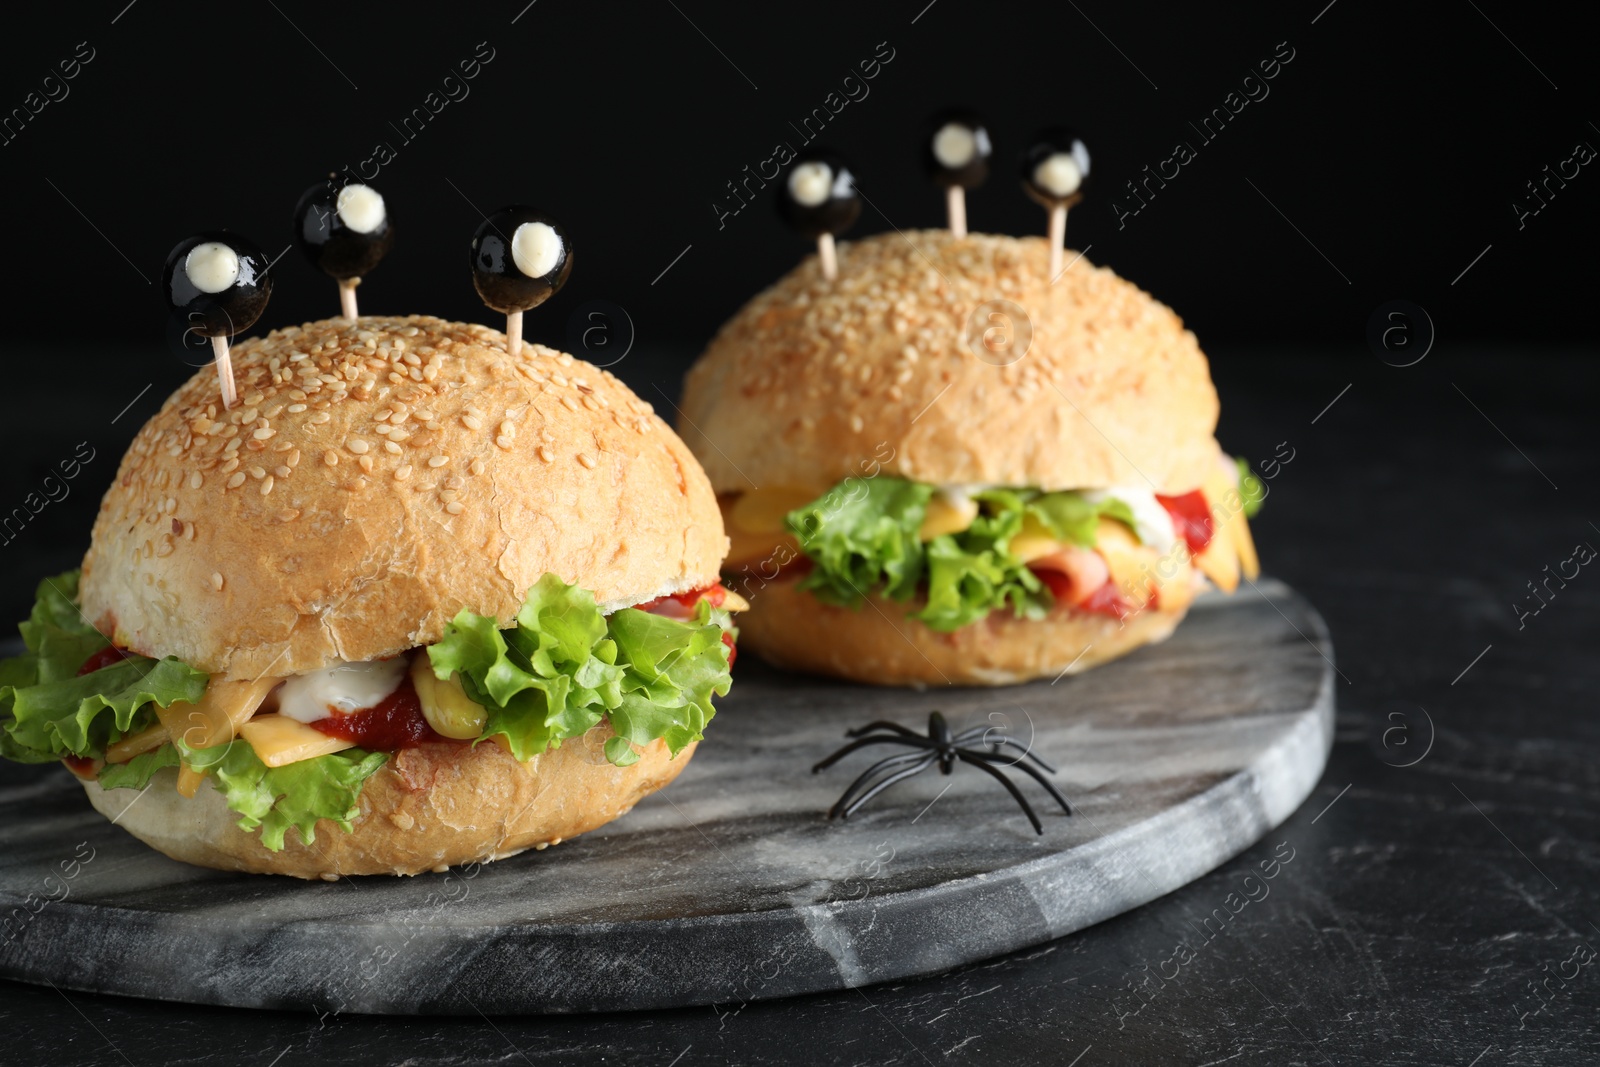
x: 376, y: 477
x: 811, y: 380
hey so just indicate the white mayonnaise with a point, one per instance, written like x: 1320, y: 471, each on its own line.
x: 340, y: 689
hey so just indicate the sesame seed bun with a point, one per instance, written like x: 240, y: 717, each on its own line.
x: 877, y: 644
x: 428, y: 808
x: 815, y: 380
x: 377, y: 477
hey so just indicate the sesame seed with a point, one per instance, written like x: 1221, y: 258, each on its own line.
x: 177, y: 526
x: 272, y: 412
x: 288, y: 514
x: 358, y: 446
x: 262, y: 433
x: 586, y: 460
x: 295, y: 409
x: 391, y: 447
x: 282, y: 471
x: 397, y: 436
x: 294, y: 458
x: 569, y: 403
x: 257, y: 472
x: 477, y: 466
x: 266, y: 485
x: 472, y: 422
x: 438, y: 461
x: 331, y: 458
x: 455, y: 482
x: 402, y: 473
x: 504, y: 442
x: 366, y: 463
x: 455, y: 507
x: 216, y: 581
x: 236, y: 481
x: 170, y: 506
x: 474, y: 412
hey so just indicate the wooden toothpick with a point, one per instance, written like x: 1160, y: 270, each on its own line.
x: 1058, y: 238
x: 955, y: 202
x: 230, y: 394
x: 514, y: 332
x: 347, y: 297
x: 830, y: 260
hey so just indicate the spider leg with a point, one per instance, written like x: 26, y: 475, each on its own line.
x: 1041, y: 779
x: 898, y: 776
x: 883, y: 724
x: 915, y: 740
x: 892, y: 763
x: 1016, y: 794
x: 984, y: 732
x: 1026, y: 750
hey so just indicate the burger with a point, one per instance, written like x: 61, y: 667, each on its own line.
x: 941, y: 467
x: 412, y: 602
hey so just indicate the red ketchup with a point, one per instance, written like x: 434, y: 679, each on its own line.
x: 393, y: 723
x: 82, y: 766
x: 1191, y: 517
x: 104, y: 658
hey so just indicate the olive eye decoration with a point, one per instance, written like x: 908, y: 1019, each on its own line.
x: 819, y: 199
x: 217, y: 285
x: 345, y: 233
x: 956, y: 155
x: 1055, y: 172
x: 520, y: 258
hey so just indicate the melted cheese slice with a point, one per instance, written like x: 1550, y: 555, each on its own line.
x: 278, y: 740
x: 215, y: 719
x: 754, y: 522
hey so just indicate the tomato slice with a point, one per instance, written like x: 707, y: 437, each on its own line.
x: 682, y: 605
x: 1191, y: 517
x: 733, y: 650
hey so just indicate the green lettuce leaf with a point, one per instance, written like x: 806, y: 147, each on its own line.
x: 973, y: 572
x: 863, y: 535
x: 47, y: 711
x: 294, y: 795
x: 136, y: 773
x: 564, y: 666
x: 671, y: 669
x: 1252, y: 490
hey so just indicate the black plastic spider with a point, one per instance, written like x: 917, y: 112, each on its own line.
x: 941, y: 747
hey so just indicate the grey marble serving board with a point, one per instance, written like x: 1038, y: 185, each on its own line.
x: 731, y: 885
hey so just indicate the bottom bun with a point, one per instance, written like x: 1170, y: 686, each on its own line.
x: 879, y: 645
x: 427, y: 808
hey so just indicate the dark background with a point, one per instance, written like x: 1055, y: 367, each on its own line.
x: 1383, y: 161
x: 1421, y: 502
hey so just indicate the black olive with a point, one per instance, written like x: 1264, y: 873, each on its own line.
x: 819, y: 195
x: 217, y: 284
x: 1055, y: 169
x: 510, y: 244
x: 344, y: 232
x: 957, y: 149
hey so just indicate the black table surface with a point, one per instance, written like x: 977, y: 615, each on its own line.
x: 1442, y: 899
